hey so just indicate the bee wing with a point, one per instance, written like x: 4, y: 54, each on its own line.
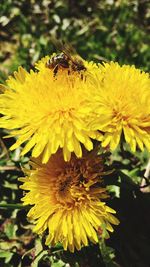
x: 68, y: 50
x: 72, y: 54
x: 58, y: 44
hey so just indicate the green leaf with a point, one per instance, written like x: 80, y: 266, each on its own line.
x: 60, y: 263
x: 7, y: 255
x: 10, y: 230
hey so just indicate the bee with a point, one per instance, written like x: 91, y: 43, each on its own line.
x: 67, y: 59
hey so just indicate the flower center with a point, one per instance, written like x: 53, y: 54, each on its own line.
x: 62, y: 189
x: 64, y: 185
x: 75, y: 183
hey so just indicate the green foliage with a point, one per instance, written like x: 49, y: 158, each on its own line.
x: 99, y: 30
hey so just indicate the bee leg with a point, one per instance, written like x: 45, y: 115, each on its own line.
x: 68, y: 72
x: 48, y: 64
x: 55, y: 70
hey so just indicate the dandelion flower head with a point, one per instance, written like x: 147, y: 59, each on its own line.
x: 66, y: 199
x: 47, y: 112
x: 122, y: 105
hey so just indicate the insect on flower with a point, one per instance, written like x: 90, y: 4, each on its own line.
x: 67, y: 59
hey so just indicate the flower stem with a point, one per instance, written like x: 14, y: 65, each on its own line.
x: 12, y: 206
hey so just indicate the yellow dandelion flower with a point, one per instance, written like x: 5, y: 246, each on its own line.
x: 67, y: 200
x: 122, y: 105
x: 49, y: 112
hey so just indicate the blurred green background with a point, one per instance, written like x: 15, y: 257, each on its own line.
x: 99, y: 30
x: 112, y: 30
